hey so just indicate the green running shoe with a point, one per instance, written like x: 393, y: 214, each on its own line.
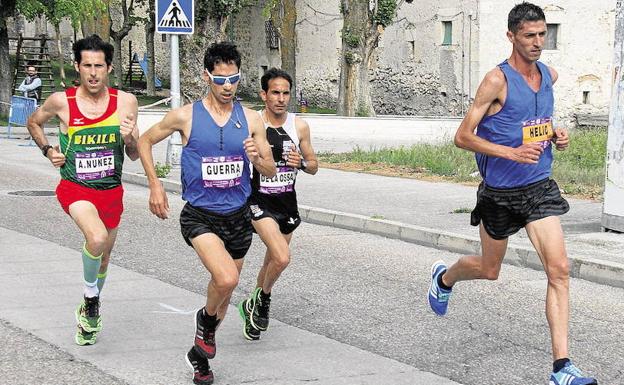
x: 259, y: 310
x: 249, y: 332
x: 84, y: 338
x: 88, y: 315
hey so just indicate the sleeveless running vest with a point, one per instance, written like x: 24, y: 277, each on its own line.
x: 525, y: 117
x: 93, y: 148
x: 278, y: 192
x: 215, y: 167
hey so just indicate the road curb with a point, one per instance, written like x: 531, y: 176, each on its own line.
x: 589, y: 269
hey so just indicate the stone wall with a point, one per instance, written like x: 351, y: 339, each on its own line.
x: 416, y: 74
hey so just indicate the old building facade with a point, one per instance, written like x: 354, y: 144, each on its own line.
x: 432, y: 59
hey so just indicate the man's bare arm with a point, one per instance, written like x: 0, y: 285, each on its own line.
x: 489, y: 91
x: 257, y: 147
x: 174, y: 121
x: 47, y: 111
x: 305, y: 145
x: 128, y: 125
x: 50, y: 108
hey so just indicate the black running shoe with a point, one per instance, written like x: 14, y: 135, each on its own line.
x: 260, y: 310
x: 202, y: 375
x: 205, y: 336
x: 249, y: 332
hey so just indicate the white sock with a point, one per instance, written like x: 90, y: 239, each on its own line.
x: 91, y: 291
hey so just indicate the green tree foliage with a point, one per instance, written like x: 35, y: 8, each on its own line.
x: 57, y: 10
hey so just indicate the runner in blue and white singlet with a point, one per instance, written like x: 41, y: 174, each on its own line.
x: 221, y: 139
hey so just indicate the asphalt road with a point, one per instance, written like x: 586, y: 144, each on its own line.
x: 359, y: 289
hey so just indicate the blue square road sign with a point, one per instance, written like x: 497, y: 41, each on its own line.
x: 175, y: 16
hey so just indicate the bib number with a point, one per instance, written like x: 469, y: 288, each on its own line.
x: 95, y: 165
x: 283, y: 181
x: 537, y: 130
x: 222, y: 171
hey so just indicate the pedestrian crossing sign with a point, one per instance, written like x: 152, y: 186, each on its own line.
x: 175, y: 16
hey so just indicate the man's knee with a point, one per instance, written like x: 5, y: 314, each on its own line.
x: 225, y: 283
x: 97, y: 239
x: 280, y: 260
x: 558, y: 271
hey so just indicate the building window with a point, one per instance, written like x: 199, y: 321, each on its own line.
x: 551, y: 37
x: 585, y: 97
x: 272, y: 36
x: 448, y: 32
x: 411, y: 49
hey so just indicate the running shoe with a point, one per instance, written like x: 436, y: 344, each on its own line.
x: 438, y: 297
x: 260, y: 310
x: 88, y: 315
x: 571, y: 375
x: 83, y: 337
x: 204, y: 336
x: 202, y: 375
x: 249, y: 332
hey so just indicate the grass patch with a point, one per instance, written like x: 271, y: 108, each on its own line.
x: 462, y: 210
x: 145, y: 100
x: 579, y: 170
x: 442, y: 160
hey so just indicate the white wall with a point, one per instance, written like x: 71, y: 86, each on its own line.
x: 583, y: 59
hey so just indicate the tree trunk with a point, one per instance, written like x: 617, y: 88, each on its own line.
x: 118, y: 36
x: 117, y: 67
x: 223, y: 24
x: 149, y: 43
x: 6, y: 73
x: 99, y: 25
x: 192, y: 50
x: 285, y: 21
x: 360, y: 36
x: 60, y: 58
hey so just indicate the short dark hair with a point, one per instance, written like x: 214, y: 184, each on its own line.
x: 222, y: 52
x: 273, y: 73
x: 523, y: 12
x: 93, y: 43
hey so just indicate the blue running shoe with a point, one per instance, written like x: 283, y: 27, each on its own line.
x: 571, y: 375
x: 438, y: 297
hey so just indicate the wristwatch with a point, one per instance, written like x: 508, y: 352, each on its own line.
x: 304, y: 164
x: 45, y: 149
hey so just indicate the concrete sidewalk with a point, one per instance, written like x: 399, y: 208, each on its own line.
x: 434, y: 214
x: 148, y: 327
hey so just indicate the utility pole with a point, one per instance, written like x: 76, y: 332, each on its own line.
x: 613, y: 208
x: 175, y: 17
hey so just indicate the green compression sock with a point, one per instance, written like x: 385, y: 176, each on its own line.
x: 90, y: 266
x: 101, y: 278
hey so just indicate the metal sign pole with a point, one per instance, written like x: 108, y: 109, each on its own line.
x: 174, y: 145
x: 613, y: 208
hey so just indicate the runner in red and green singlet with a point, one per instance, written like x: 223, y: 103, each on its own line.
x: 98, y: 124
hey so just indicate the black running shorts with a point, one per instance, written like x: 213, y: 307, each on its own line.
x: 505, y: 211
x: 233, y: 229
x: 287, y: 222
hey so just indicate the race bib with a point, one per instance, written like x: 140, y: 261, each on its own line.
x: 222, y: 171
x: 537, y: 130
x: 283, y: 181
x: 95, y: 165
